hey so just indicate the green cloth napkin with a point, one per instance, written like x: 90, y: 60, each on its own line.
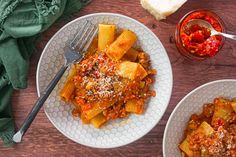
x: 21, y: 21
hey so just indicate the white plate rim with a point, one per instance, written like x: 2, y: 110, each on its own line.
x: 122, y: 16
x: 181, y: 101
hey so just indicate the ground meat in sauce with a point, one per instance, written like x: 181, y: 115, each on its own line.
x: 221, y: 143
x: 97, y: 80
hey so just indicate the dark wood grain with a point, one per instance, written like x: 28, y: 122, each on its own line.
x: 42, y: 139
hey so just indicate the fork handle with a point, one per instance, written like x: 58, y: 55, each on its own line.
x: 39, y: 103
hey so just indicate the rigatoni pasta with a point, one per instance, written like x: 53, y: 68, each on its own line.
x: 131, y: 55
x: 106, y: 35
x: 69, y: 86
x: 98, y: 120
x: 211, y: 133
x: 108, y: 83
x: 121, y: 45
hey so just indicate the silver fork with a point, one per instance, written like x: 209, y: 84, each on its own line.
x: 74, y: 52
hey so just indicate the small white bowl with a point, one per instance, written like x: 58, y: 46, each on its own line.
x: 190, y: 104
x: 118, y: 132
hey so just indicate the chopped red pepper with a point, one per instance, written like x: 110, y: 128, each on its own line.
x: 197, y: 36
x: 197, y: 40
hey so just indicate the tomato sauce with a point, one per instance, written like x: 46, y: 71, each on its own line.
x: 196, y: 39
x: 96, y: 81
x: 220, y: 143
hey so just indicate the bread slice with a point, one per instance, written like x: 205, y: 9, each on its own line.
x: 162, y: 8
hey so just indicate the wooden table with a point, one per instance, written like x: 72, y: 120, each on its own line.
x: 42, y: 139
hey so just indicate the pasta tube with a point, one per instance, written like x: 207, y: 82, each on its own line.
x: 223, y: 110
x: 131, y: 70
x: 135, y: 106
x: 131, y: 55
x: 204, y: 129
x: 97, y: 108
x: 98, y: 120
x: 67, y: 91
x: 121, y: 45
x: 69, y: 86
x: 106, y: 35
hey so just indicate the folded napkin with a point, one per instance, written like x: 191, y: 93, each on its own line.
x: 21, y: 21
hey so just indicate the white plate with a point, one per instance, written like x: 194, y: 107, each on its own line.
x: 192, y: 103
x: 118, y: 132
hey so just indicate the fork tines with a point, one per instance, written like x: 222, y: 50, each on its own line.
x: 84, y: 37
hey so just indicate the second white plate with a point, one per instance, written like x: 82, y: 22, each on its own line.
x: 190, y: 104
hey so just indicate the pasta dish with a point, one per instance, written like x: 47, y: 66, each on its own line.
x: 112, y: 81
x: 213, y: 132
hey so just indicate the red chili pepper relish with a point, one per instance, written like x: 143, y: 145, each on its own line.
x: 196, y: 39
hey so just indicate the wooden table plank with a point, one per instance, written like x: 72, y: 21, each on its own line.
x: 43, y: 139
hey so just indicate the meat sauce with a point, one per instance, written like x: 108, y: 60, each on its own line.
x: 222, y: 142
